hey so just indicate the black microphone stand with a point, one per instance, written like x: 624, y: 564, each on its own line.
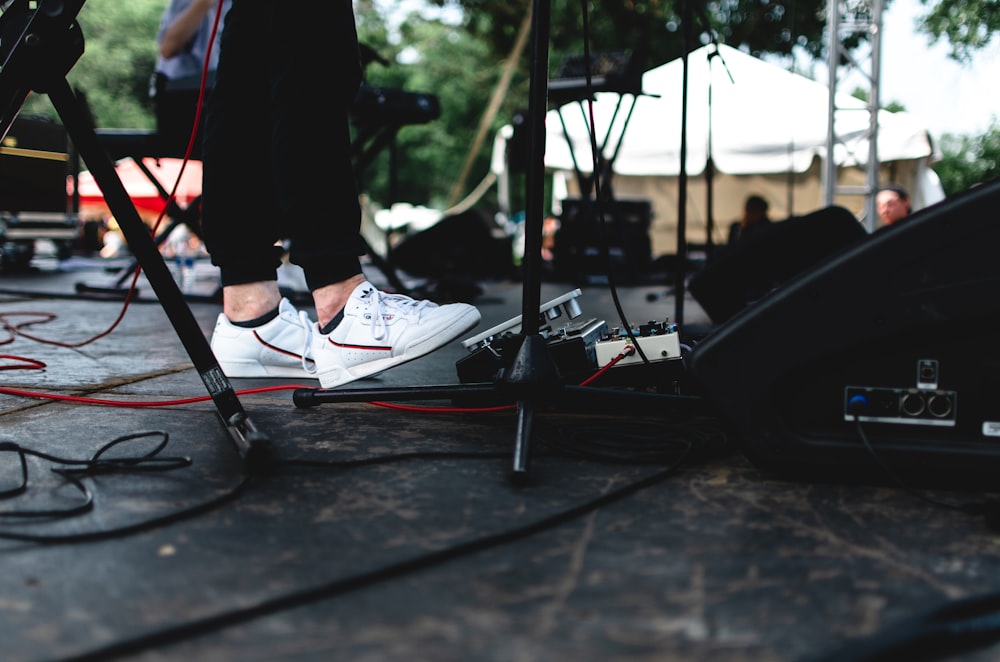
x: 710, y: 160
x: 680, y: 273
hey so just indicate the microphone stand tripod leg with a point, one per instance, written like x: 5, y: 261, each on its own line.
x: 522, y: 439
x: 532, y: 376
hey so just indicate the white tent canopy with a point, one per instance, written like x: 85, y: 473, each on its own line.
x: 760, y: 122
x: 763, y: 119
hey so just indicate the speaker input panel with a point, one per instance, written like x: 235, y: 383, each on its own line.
x: 905, y: 406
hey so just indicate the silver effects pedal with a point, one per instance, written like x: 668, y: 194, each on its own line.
x: 570, y: 346
x: 659, y: 341
x: 551, y: 310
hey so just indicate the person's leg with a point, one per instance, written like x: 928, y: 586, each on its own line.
x: 360, y: 331
x: 239, y: 213
x: 275, y: 93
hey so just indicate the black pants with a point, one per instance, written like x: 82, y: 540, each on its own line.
x: 277, y: 152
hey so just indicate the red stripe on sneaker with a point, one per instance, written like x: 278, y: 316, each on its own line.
x: 275, y: 348
x: 372, y: 348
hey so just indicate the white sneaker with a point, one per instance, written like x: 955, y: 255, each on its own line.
x: 380, y: 331
x: 280, y: 348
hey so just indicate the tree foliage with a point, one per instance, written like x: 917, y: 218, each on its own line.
x: 119, y: 55
x: 436, y: 58
x: 967, y: 25
x: 658, y: 30
x: 968, y: 160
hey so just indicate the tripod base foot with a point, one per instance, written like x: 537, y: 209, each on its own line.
x: 254, y: 446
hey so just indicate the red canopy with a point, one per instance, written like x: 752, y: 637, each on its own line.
x: 145, y: 197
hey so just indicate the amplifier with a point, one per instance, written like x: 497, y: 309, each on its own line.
x: 34, y: 164
x: 582, y: 237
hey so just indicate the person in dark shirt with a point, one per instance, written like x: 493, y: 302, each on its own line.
x: 184, y: 48
x: 754, y: 217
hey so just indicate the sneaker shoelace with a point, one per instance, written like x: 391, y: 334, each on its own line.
x: 385, y: 304
x: 307, y: 364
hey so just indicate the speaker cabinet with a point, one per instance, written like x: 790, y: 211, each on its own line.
x: 892, y: 343
x: 741, y: 273
x: 34, y: 163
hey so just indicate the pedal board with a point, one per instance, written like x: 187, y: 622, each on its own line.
x: 578, y: 348
x: 571, y: 346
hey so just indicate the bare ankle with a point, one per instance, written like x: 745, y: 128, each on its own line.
x: 331, y: 299
x: 248, y: 301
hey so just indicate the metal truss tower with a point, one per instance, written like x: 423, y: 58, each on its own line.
x: 847, y: 18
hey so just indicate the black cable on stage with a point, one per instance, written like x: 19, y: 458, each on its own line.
x: 596, y: 167
x: 941, y: 633
x: 980, y: 507
x: 648, y: 445
x: 172, y: 635
x: 76, y: 470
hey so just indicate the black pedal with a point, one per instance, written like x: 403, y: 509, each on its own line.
x: 571, y: 348
x: 485, y: 362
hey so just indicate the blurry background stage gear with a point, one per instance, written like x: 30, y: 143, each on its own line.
x: 453, y: 253
x: 34, y: 166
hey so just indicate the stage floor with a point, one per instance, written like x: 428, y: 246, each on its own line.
x: 387, y: 533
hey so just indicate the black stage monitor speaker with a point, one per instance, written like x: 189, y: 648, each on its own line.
x: 893, y: 343
x: 468, y: 244
x: 741, y: 273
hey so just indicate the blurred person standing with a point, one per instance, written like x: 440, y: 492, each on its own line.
x: 183, y: 41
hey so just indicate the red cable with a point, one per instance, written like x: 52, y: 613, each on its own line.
x: 123, y: 403
x: 265, y: 389
x: 32, y: 364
